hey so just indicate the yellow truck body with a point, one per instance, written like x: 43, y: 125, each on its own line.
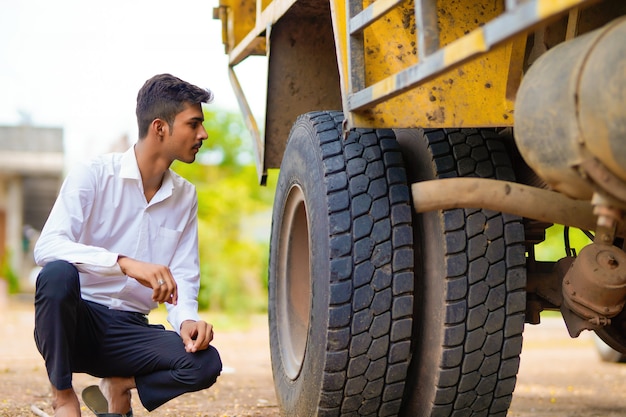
x: 487, y: 121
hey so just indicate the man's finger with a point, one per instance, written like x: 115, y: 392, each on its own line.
x: 188, y: 344
x: 186, y: 337
x: 160, y: 290
x: 174, y: 296
x: 172, y: 289
x: 204, y: 340
x: 201, y: 334
x: 165, y: 289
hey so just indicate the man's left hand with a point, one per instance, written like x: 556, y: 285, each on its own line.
x: 196, y: 335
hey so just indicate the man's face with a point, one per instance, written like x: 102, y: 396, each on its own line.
x: 187, y: 134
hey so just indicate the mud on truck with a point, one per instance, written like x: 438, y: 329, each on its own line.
x: 424, y: 148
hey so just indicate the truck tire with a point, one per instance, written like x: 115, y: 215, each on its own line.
x: 470, y: 280
x: 341, y: 272
x: 606, y: 352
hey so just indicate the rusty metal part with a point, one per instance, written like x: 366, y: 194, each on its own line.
x: 576, y: 324
x: 609, y: 218
x: 508, y: 197
x: 602, y: 99
x: 610, y: 184
x: 299, y: 83
x: 293, y: 282
x: 569, y: 108
x: 253, y: 128
x: 614, y: 334
x: 594, y: 289
x: 544, y: 287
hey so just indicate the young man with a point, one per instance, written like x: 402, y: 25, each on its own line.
x: 122, y: 237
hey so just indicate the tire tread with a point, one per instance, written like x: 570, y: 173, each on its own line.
x: 482, y: 338
x: 369, y: 205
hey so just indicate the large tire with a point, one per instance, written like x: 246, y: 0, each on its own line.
x: 341, y: 272
x: 469, y: 286
x: 606, y: 352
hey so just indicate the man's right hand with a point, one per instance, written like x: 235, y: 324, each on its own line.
x: 157, y: 277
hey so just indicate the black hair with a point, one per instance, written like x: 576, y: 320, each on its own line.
x: 163, y: 97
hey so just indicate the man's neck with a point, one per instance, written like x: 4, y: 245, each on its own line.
x: 152, y: 168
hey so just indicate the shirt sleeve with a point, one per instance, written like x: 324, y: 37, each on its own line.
x: 60, y: 235
x: 185, y: 269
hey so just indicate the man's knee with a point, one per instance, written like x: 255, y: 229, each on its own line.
x: 213, y: 367
x: 204, y: 373
x: 58, y: 279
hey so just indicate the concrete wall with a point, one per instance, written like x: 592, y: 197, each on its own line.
x: 31, y: 172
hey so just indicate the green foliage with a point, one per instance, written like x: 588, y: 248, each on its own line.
x: 233, y: 218
x: 553, y: 247
x: 8, y: 274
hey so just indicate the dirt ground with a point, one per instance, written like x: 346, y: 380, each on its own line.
x: 559, y: 377
x: 245, y: 387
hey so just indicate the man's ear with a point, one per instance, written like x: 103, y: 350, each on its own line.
x: 159, y: 127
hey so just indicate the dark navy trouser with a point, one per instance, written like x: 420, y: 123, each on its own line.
x: 74, y: 335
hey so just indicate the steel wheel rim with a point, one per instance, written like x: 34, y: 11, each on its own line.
x: 294, y: 283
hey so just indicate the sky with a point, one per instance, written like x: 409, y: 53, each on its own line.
x: 78, y: 64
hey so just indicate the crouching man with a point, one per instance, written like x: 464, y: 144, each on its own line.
x: 121, y: 238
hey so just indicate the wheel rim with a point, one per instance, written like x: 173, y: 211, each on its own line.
x: 341, y: 250
x: 294, y: 283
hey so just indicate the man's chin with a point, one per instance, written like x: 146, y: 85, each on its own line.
x: 188, y: 160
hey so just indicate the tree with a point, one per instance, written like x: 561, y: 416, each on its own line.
x: 233, y: 247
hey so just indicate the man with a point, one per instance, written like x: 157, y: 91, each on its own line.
x: 122, y: 237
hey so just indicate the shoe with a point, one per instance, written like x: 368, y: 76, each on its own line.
x: 95, y: 401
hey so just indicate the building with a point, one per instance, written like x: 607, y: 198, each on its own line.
x: 31, y: 172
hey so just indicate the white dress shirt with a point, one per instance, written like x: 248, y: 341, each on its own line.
x: 101, y: 212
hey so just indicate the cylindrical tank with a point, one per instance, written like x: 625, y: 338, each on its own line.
x: 571, y: 106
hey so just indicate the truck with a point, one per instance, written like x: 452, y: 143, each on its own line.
x: 423, y: 148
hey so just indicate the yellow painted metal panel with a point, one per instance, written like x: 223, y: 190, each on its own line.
x: 474, y: 41
x: 238, y: 19
x: 549, y: 7
x: 263, y: 4
x: 475, y: 94
x: 340, y: 30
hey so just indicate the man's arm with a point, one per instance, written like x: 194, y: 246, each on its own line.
x: 196, y: 334
x: 185, y: 267
x: 157, y: 277
x: 60, y: 235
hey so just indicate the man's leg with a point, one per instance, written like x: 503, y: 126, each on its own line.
x: 65, y: 403
x: 156, y: 358
x: 117, y: 392
x: 192, y: 372
x: 57, y: 296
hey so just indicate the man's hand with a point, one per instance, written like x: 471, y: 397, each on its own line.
x: 157, y: 277
x: 196, y: 335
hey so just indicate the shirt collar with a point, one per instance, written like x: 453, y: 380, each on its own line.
x: 167, y: 187
x: 129, y: 167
